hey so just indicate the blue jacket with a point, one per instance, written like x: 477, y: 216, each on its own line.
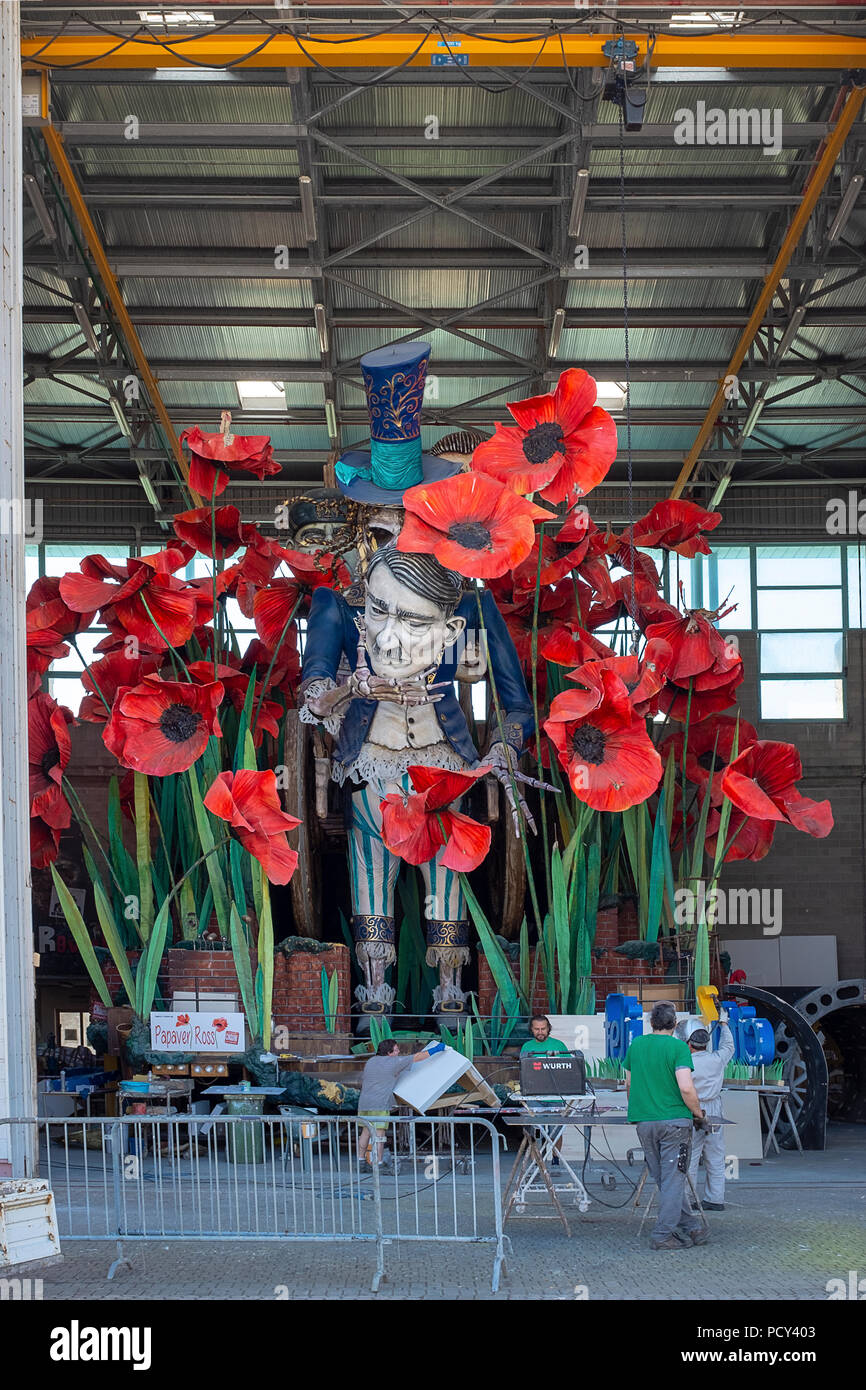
x: 331, y: 633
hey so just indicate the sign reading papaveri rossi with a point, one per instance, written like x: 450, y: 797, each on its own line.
x: 199, y: 1032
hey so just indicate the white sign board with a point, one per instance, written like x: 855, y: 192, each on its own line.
x: 197, y: 1032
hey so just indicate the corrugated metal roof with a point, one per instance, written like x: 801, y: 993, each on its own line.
x: 439, y: 229
x: 444, y: 346
x: 427, y: 162
x: 137, y: 160
x: 457, y: 108
x: 437, y: 289
x: 146, y: 227
x: 234, y: 293
x: 184, y: 342
x: 193, y: 102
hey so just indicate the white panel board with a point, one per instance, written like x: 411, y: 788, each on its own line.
x: 426, y: 1081
x: 760, y: 959
x: 808, y: 960
x: 742, y: 1139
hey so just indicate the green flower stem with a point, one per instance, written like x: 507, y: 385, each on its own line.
x: 86, y: 666
x: 174, y: 651
x: 216, y: 643
x: 501, y: 726
x: 84, y: 820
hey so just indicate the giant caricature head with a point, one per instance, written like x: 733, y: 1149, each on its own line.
x: 409, y: 612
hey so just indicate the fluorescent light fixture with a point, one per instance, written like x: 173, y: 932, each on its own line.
x: 611, y: 395
x: 790, y: 332
x: 331, y: 419
x: 720, y: 489
x: 166, y: 17
x: 262, y: 395
x: 86, y: 327
x: 846, y: 207
x: 578, y: 200
x: 321, y: 326
x: 149, y: 491
x: 40, y: 207
x: 752, y: 417
x: 555, y: 332
x: 308, y: 211
x: 117, y: 411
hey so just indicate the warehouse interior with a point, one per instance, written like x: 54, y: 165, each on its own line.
x: 225, y: 208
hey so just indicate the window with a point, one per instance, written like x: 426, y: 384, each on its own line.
x: 800, y: 601
x: 64, y: 681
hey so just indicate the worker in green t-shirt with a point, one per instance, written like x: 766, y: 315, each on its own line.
x: 539, y: 1045
x: 664, y: 1105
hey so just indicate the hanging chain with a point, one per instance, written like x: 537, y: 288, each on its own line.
x: 630, y: 503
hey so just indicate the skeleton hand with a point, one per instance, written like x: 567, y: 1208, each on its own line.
x: 415, y: 691
x: 503, y: 766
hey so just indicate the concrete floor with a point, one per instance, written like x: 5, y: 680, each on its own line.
x: 790, y: 1226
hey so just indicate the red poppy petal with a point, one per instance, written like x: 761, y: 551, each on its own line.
x: 503, y: 458
x: 814, y: 817
x: 574, y: 397
x: 274, y: 854
x: 468, y: 843
x: 442, y: 786
x: 408, y: 830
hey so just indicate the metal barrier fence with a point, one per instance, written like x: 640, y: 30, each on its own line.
x: 292, y: 1176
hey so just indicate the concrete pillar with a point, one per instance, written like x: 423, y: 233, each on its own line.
x: 17, y: 1012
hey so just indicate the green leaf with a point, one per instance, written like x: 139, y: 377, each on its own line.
x: 206, y: 910
x: 266, y: 956
x: 188, y: 914
x: 479, y: 1024
x: 560, y: 927
x: 657, y: 872
x: 725, y: 814
x: 524, y: 958
x: 206, y: 837
x: 142, y: 853
x: 81, y: 936
x: 236, y: 864
x: 333, y: 999
x: 241, y: 953
x: 500, y: 968
x: 148, y: 965
x: 112, y: 936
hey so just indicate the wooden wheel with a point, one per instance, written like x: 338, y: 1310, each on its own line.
x: 300, y: 801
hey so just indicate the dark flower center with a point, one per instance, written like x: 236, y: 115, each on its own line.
x: 470, y: 534
x: 543, y: 441
x: 588, y: 744
x: 50, y: 760
x: 178, y: 723
x: 710, y: 762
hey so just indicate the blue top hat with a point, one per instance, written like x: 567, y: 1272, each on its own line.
x: 394, y: 379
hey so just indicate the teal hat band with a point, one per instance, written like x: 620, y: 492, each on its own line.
x: 396, y: 463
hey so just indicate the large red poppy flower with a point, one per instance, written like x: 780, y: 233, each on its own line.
x: 44, y: 842
x: 44, y: 645
x: 273, y: 608
x: 211, y: 456
x: 747, y: 838
x: 604, y: 748
x: 123, y: 595
x: 700, y: 653
x: 249, y: 802
x: 708, y: 750
x: 674, y: 524
x: 315, y: 569
x: 284, y: 669
x: 569, y: 644
x: 104, y: 678
x: 159, y: 727
x: 416, y: 827
x: 48, y: 752
x: 761, y: 780
x: 636, y: 596
x: 197, y: 527
x: 471, y: 523
x: 562, y: 444
x: 643, y: 677
x: 44, y: 600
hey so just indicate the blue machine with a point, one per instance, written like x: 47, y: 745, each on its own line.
x: 623, y: 1022
x: 754, y: 1039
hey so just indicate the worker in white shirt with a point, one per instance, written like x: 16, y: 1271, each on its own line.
x: 708, y: 1077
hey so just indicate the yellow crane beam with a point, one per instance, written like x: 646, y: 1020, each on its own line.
x: 259, y: 50
x: 54, y: 141
x: 823, y: 170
